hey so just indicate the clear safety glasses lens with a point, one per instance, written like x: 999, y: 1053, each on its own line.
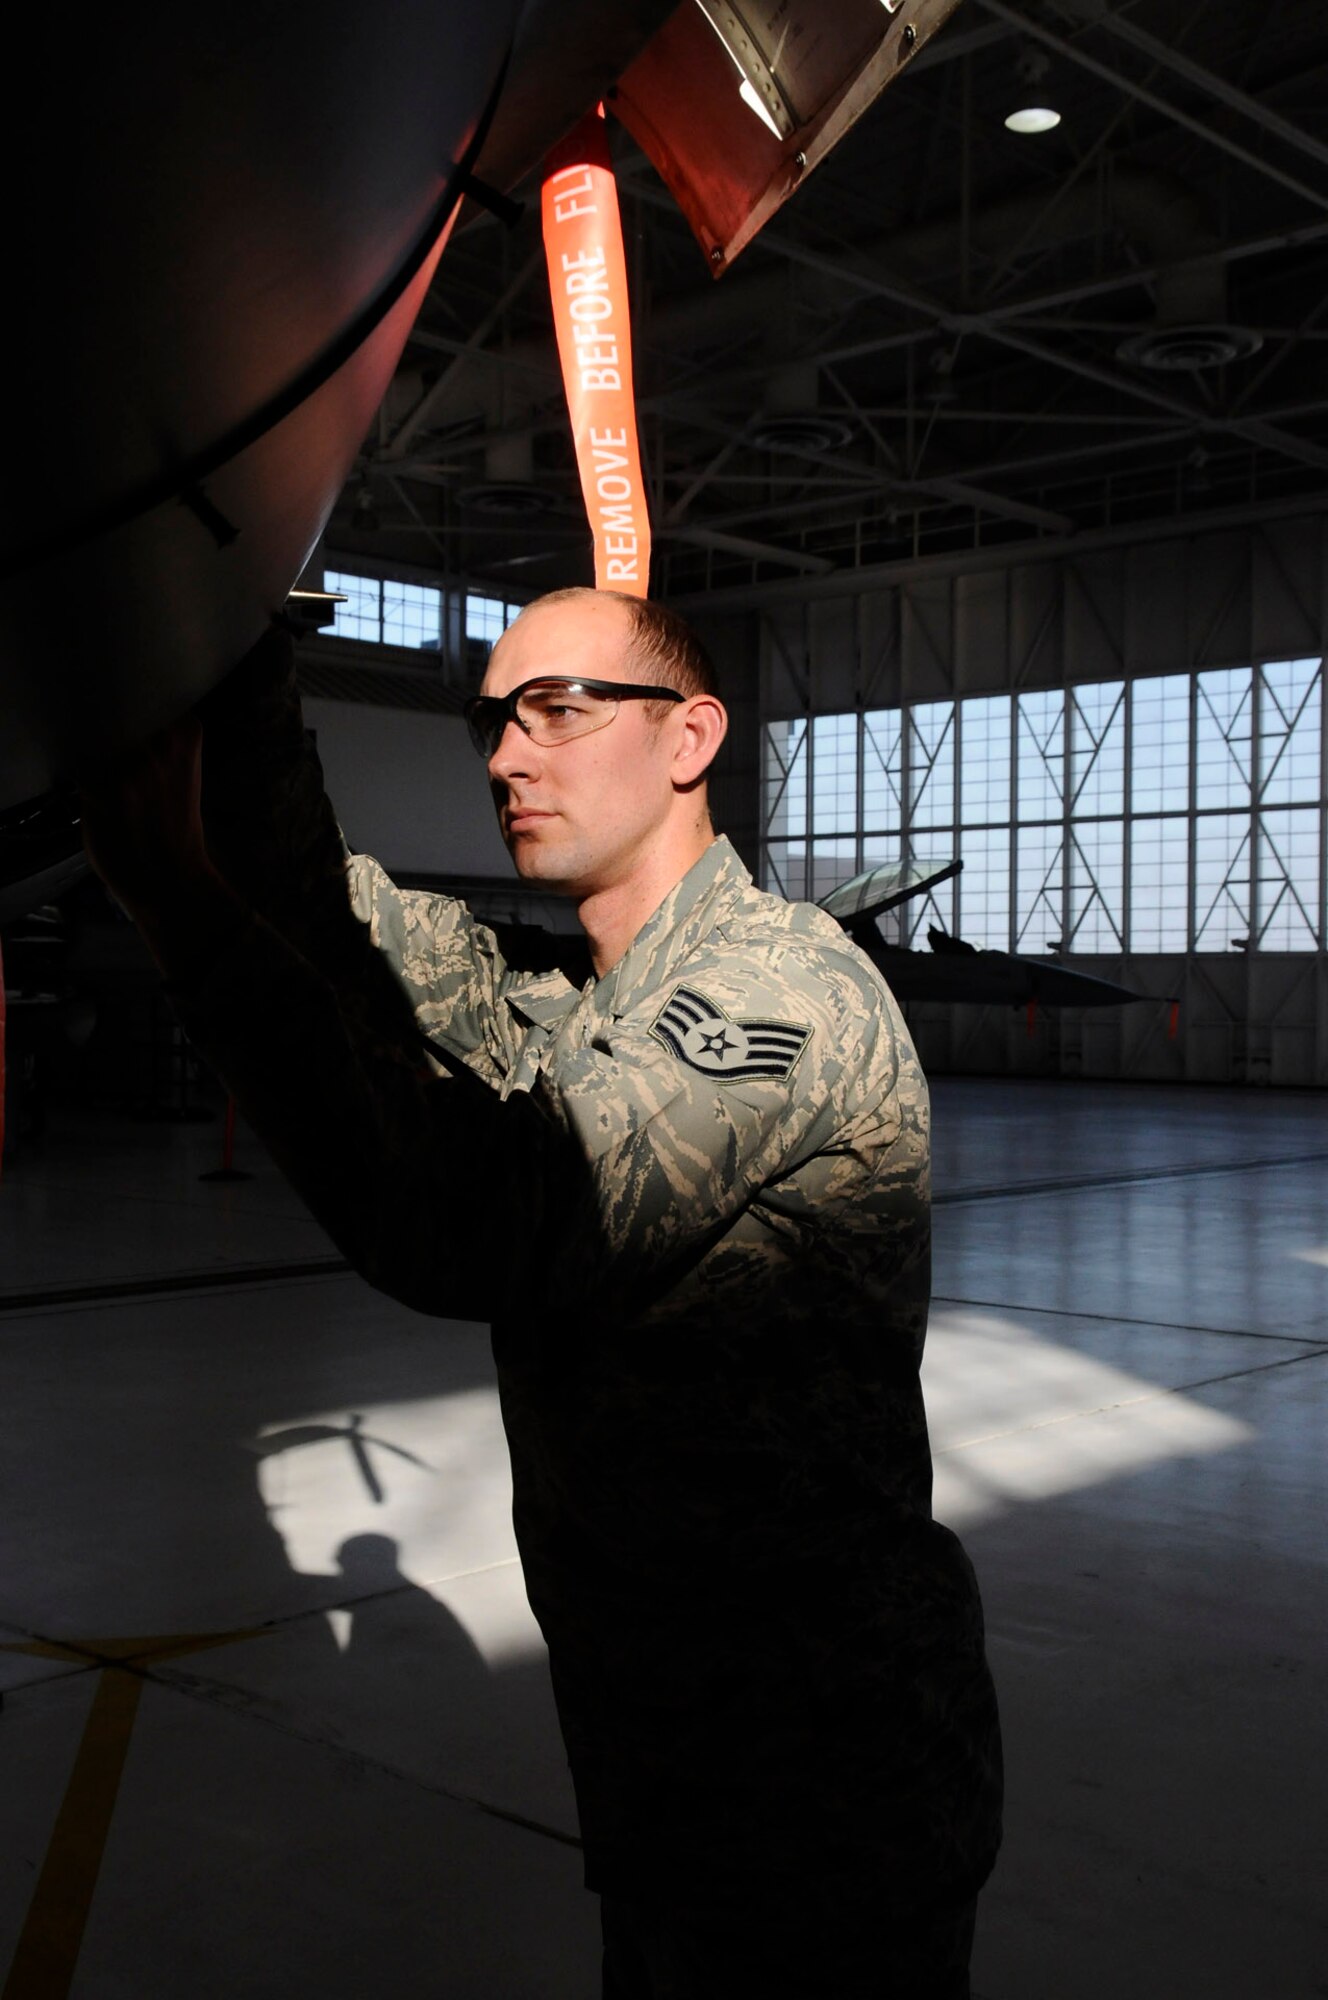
x: 550, y: 712
x: 553, y: 711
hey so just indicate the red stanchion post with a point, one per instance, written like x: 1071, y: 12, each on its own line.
x: 227, y: 1171
x: 2, y: 1063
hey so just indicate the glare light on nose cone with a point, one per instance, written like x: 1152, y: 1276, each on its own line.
x: 751, y: 98
x: 1033, y: 118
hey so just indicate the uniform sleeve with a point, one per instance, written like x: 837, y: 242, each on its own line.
x: 595, y: 1192
x: 673, y: 1154
x: 272, y: 832
x: 269, y: 826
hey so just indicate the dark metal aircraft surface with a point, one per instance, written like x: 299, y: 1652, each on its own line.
x: 220, y: 269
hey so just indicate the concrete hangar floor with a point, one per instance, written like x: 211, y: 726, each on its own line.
x: 330, y: 1764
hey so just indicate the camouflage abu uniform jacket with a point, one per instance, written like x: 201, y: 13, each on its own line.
x: 692, y: 1198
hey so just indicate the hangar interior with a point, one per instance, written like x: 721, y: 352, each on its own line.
x: 993, y: 476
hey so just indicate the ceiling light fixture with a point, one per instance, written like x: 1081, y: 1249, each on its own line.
x: 364, y: 513
x: 509, y: 499
x: 801, y: 430
x: 1033, y: 118
x: 1030, y: 110
x: 1190, y: 347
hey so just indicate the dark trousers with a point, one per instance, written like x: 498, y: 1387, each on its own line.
x: 910, y: 1952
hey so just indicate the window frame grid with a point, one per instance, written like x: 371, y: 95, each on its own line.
x: 395, y: 598
x: 1122, y: 913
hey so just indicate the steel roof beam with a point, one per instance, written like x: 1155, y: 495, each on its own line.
x: 1017, y: 555
x: 469, y: 351
x: 702, y: 479
x: 1304, y: 331
x: 1124, y: 279
x: 1072, y: 53
x: 1253, y: 429
x: 947, y: 487
x: 1122, y: 29
x: 875, y: 479
x: 992, y: 325
x: 1092, y: 419
x: 1164, y: 439
x: 740, y: 545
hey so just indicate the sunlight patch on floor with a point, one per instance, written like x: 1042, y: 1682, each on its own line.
x: 402, y: 1493
x: 1016, y: 1417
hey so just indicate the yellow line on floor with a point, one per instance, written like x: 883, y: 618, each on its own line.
x: 48, y: 1947
x: 52, y: 1934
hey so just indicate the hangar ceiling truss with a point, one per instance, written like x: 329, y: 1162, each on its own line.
x: 954, y: 340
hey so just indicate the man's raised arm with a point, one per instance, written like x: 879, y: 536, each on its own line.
x: 143, y: 831
x: 332, y: 1077
x: 270, y: 829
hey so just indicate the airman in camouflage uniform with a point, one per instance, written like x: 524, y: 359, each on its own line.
x: 691, y: 1195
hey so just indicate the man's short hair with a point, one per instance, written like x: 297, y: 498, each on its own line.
x: 664, y: 647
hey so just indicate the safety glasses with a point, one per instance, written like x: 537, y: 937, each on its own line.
x: 553, y: 711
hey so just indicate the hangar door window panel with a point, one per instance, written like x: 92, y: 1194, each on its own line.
x: 487, y: 618
x: 1040, y: 889
x: 909, y: 922
x: 786, y: 869
x: 1160, y: 884
x: 361, y: 616
x: 982, y: 891
x: 1221, y: 881
x: 937, y: 909
x: 833, y: 862
x: 1097, y: 748
x: 884, y: 852
x: 412, y: 616
x: 1097, y: 882
x: 1288, y: 900
x: 1160, y: 744
x: 1223, y: 739
x: 882, y: 769
x: 984, y: 779
x: 1290, y: 723
x: 786, y: 757
x: 931, y: 764
x: 393, y: 612
x: 1202, y: 793
x: 1040, y: 755
x: 834, y: 799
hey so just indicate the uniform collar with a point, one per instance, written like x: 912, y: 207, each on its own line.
x: 688, y: 913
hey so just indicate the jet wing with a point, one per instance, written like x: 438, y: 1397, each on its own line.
x: 993, y: 979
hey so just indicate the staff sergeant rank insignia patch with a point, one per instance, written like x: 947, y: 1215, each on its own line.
x: 701, y: 1034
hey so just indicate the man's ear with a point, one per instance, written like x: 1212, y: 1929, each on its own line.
x: 705, y: 724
